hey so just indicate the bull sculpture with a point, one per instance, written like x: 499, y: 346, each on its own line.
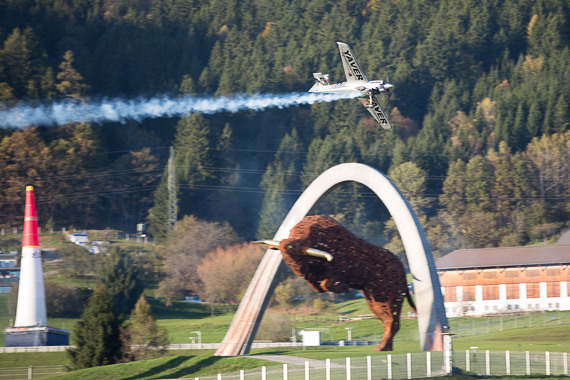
x: 332, y: 259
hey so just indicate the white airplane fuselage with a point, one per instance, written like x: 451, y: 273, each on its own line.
x: 373, y: 87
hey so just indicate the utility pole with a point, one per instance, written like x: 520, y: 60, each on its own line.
x: 172, y: 199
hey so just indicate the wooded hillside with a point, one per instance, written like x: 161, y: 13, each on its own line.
x: 480, y: 145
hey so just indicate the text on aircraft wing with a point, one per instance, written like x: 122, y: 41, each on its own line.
x: 377, y: 111
x: 352, y: 69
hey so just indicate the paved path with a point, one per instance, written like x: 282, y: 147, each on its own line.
x: 295, y: 360
x: 564, y: 238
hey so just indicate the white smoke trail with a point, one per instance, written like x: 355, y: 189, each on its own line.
x: 120, y: 110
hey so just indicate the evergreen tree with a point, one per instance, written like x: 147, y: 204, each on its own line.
x: 273, y: 208
x: 279, y: 177
x: 158, y: 213
x: 561, y: 116
x: 479, y: 177
x: 122, y: 279
x: 97, y: 336
x: 23, y: 62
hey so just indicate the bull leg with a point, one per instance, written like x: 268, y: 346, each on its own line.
x: 381, y: 310
x: 394, y: 309
x: 389, y: 314
x: 388, y: 323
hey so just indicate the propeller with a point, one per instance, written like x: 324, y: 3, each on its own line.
x: 390, y: 90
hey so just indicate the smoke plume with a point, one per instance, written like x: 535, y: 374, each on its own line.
x: 121, y: 110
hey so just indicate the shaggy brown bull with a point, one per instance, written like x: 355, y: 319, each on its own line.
x: 332, y: 259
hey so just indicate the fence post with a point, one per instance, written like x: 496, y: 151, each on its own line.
x: 263, y: 372
x: 389, y: 365
x: 528, y: 361
x: 447, y: 354
x: 508, y: 362
x: 31, y: 372
x: 467, y: 361
x: 348, y: 368
x: 328, y: 369
x: 487, y: 363
x: 219, y: 376
x: 547, y: 360
x: 369, y: 367
x: 241, y: 374
x: 409, y: 364
x: 307, y: 370
x: 565, y: 365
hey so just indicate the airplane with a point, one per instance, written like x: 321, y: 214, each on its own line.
x: 356, y: 82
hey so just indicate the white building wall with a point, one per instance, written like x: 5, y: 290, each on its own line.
x: 478, y: 304
x: 482, y: 307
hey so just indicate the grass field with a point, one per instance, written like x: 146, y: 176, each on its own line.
x: 537, y: 333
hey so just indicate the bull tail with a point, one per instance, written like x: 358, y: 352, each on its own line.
x: 410, y: 300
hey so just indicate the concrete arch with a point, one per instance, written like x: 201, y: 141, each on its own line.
x: 432, y: 321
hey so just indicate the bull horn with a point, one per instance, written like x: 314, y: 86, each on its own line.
x: 271, y: 243
x: 318, y: 253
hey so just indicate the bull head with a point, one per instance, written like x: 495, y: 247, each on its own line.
x: 309, y: 251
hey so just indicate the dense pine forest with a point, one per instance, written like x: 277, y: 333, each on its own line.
x: 481, y: 114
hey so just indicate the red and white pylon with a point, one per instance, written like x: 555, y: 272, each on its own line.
x: 31, y: 309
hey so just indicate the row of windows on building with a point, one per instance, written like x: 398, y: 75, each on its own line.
x: 505, y: 276
x: 491, y: 292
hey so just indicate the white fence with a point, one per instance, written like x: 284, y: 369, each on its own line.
x: 412, y: 365
x: 30, y: 372
x: 182, y: 346
x: 390, y: 366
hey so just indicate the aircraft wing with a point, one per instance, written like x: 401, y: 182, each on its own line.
x: 377, y: 112
x: 352, y: 69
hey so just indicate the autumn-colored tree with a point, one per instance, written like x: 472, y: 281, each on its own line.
x: 142, y: 338
x: 187, y: 244
x: 24, y: 160
x: 225, y: 273
x: 549, y: 156
x: 69, y: 81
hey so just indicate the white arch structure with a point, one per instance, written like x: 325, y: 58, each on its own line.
x: 432, y: 321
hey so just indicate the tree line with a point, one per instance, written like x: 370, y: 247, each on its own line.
x: 480, y: 86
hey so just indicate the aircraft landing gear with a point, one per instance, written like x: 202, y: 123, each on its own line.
x: 370, y: 102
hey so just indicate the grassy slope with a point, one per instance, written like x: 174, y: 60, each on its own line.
x: 185, y: 317
x: 187, y: 364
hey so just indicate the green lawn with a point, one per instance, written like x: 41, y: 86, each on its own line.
x: 199, y: 363
x: 540, y: 332
x: 193, y: 363
x: 8, y: 360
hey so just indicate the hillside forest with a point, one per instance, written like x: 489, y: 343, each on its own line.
x: 481, y: 115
